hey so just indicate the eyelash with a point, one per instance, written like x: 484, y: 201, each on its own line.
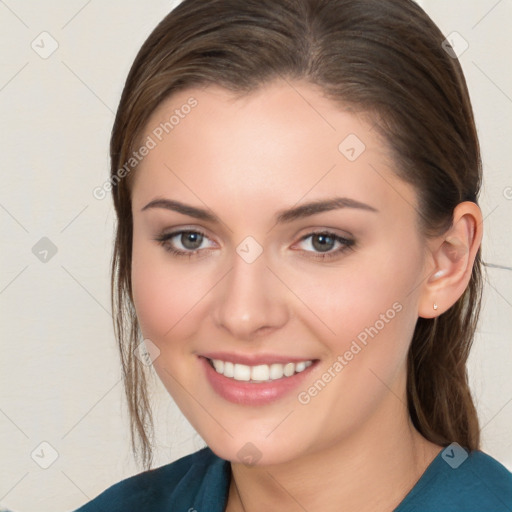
x: 164, y: 238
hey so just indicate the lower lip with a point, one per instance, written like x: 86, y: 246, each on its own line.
x: 253, y: 393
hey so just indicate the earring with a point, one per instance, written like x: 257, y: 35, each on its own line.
x: 434, y: 306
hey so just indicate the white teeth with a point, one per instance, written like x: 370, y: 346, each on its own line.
x: 276, y: 371
x: 219, y: 365
x: 259, y: 373
x: 229, y: 369
x: 300, y: 367
x: 242, y: 372
x: 289, y: 369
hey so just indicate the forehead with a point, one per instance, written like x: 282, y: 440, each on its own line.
x: 280, y: 143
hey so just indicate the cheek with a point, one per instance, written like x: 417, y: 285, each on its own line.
x: 370, y: 304
x: 373, y: 313
x: 163, y: 294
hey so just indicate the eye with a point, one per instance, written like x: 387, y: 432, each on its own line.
x: 188, y: 243
x: 324, y: 242
x: 182, y: 243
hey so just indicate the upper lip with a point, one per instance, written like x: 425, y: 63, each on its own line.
x: 254, y: 359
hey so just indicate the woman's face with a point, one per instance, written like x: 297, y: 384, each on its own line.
x: 257, y: 289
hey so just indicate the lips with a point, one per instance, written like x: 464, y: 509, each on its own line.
x: 249, y: 383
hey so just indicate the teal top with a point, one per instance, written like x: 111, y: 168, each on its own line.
x: 455, y: 481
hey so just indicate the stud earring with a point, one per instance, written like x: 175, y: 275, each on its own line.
x: 434, y: 306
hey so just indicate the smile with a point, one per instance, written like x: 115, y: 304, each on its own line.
x: 258, y: 373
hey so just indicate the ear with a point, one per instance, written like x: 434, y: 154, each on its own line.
x: 450, y: 261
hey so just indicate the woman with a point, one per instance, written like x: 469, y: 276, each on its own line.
x: 298, y: 245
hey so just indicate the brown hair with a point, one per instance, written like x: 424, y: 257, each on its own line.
x: 382, y: 57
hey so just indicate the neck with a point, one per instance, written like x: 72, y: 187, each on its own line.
x: 372, y: 469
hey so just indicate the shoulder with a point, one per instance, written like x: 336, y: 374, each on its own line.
x: 181, y: 481
x: 458, y: 481
x: 489, y: 477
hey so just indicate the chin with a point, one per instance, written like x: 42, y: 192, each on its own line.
x: 252, y: 453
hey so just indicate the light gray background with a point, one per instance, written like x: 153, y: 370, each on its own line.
x: 60, y: 374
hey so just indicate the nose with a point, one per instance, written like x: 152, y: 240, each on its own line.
x: 250, y: 301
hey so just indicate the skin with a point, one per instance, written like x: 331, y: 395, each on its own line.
x: 246, y: 159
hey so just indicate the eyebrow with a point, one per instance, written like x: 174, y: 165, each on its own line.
x: 282, y: 216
